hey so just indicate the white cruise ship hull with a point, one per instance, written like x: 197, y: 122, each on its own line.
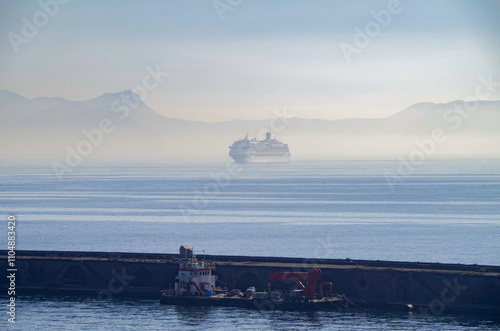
x: 245, y: 158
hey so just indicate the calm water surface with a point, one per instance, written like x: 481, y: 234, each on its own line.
x: 56, y: 313
x: 447, y: 211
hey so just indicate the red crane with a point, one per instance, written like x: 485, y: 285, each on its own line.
x: 311, y: 277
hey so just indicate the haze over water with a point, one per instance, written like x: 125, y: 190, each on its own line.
x: 85, y: 80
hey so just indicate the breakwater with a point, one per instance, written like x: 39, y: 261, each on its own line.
x: 432, y: 288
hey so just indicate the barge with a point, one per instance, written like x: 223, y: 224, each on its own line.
x: 196, y: 285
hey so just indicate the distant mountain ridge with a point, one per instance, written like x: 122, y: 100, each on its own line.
x: 48, y: 125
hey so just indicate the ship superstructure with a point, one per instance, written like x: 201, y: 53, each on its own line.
x: 195, y: 277
x: 249, y: 150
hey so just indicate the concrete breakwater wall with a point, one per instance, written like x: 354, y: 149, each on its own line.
x: 432, y: 287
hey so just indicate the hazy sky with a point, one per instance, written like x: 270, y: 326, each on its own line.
x: 262, y: 55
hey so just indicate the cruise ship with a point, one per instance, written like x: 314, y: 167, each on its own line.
x: 251, y: 150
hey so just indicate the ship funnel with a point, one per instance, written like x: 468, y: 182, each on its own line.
x: 268, y: 135
x: 186, y: 252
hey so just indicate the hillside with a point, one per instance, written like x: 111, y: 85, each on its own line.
x: 51, y: 125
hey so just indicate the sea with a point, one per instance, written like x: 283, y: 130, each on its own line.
x: 439, y: 210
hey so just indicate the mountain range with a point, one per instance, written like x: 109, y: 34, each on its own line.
x: 52, y: 125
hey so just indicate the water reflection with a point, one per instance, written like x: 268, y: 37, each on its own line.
x: 44, y: 312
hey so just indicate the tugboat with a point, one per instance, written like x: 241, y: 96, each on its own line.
x: 195, y: 277
x: 196, y: 285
